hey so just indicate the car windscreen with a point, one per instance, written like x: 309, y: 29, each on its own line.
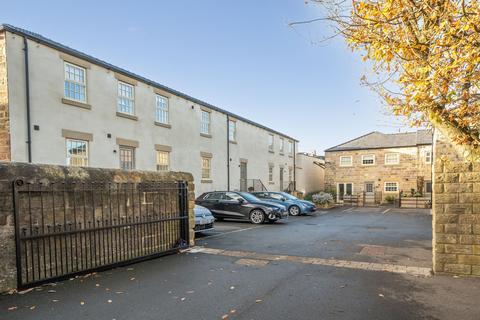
x: 248, y: 196
x: 288, y: 196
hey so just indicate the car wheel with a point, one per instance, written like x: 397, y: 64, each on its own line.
x: 257, y: 216
x: 294, y: 210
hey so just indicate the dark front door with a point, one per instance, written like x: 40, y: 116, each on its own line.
x: 341, y: 191
x: 243, y: 176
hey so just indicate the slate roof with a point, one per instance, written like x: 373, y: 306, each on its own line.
x: 379, y: 140
x: 58, y: 46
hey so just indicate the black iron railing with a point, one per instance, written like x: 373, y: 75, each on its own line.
x: 65, y: 229
x: 252, y: 185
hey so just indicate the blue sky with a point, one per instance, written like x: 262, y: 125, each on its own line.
x: 239, y: 55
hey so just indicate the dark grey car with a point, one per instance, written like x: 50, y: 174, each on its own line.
x: 241, y: 205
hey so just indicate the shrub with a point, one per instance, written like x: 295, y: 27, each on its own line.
x: 322, y: 198
x: 390, y: 199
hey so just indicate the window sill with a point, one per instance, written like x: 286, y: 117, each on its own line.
x: 206, y: 181
x: 233, y: 142
x: 76, y: 104
x: 271, y: 151
x: 164, y: 125
x: 271, y: 182
x: 206, y: 135
x: 281, y: 153
x: 127, y: 116
x: 345, y: 166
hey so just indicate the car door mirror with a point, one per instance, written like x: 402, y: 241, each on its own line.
x: 284, y: 199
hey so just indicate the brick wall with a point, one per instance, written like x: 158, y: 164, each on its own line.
x: 50, y: 173
x: 456, y: 211
x: 411, y: 169
x: 4, y: 116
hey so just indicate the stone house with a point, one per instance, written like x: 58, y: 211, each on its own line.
x: 64, y: 107
x: 380, y: 165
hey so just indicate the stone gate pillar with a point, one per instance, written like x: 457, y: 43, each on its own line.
x: 456, y: 211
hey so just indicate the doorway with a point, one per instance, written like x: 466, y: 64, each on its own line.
x: 344, y: 189
x: 243, y: 176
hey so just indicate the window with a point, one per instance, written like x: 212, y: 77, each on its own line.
x: 75, y: 83
x: 205, y: 122
x: 233, y: 196
x: 77, y: 153
x: 232, y: 130
x: 271, y: 142
x: 369, y: 187
x: 127, y: 158
x: 126, y: 98
x: 391, y: 186
x: 206, y: 165
x: 392, y: 158
x: 270, y: 174
x: 346, y: 161
x: 290, y: 174
x: 161, y: 109
x: 282, y: 145
x: 290, y: 148
x: 428, y: 157
x: 214, y: 196
x: 368, y: 159
x: 428, y: 186
x: 163, y: 161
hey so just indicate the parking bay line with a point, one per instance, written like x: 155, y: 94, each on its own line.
x: 369, y: 266
x: 230, y: 232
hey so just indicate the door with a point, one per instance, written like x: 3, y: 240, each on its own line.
x: 369, y: 192
x: 232, y: 206
x: 281, y: 179
x: 243, y: 176
x: 344, y: 189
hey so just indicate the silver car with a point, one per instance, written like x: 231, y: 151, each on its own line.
x: 204, y: 219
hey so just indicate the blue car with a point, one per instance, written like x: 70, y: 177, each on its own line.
x: 294, y: 205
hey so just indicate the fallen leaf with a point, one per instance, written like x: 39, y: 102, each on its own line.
x: 225, y: 316
x: 119, y: 292
x: 258, y: 301
x: 97, y: 285
x: 233, y: 311
x: 55, y: 300
x: 12, y: 308
x: 381, y: 295
x: 131, y: 279
x: 183, y: 299
x: 109, y: 301
x: 344, y: 286
x: 232, y: 288
x: 33, y: 307
x: 190, y: 292
x: 82, y: 303
x: 51, y: 291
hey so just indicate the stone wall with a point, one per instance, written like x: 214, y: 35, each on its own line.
x: 50, y: 173
x: 4, y: 114
x: 408, y: 173
x: 456, y: 211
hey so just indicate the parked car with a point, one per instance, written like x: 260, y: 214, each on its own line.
x: 241, y: 205
x: 294, y: 205
x: 204, y: 220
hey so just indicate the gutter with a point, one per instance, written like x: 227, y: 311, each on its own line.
x: 228, y: 152
x: 27, y: 99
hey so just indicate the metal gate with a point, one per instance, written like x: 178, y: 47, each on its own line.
x: 66, y: 229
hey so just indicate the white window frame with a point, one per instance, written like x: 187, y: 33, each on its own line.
x: 270, y: 173
x: 392, y: 163
x: 390, y: 183
x: 345, y: 165
x: 290, y: 148
x: 163, y: 167
x: 120, y: 96
x: 206, y: 170
x: 282, y: 145
x: 428, y: 155
x: 368, y: 155
x: 162, y: 107
x: 205, y: 122
x: 132, y: 149
x: 232, y: 130
x: 271, y: 142
x: 85, y: 158
x: 73, y: 81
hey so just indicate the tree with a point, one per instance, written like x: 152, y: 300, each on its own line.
x: 429, y: 51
